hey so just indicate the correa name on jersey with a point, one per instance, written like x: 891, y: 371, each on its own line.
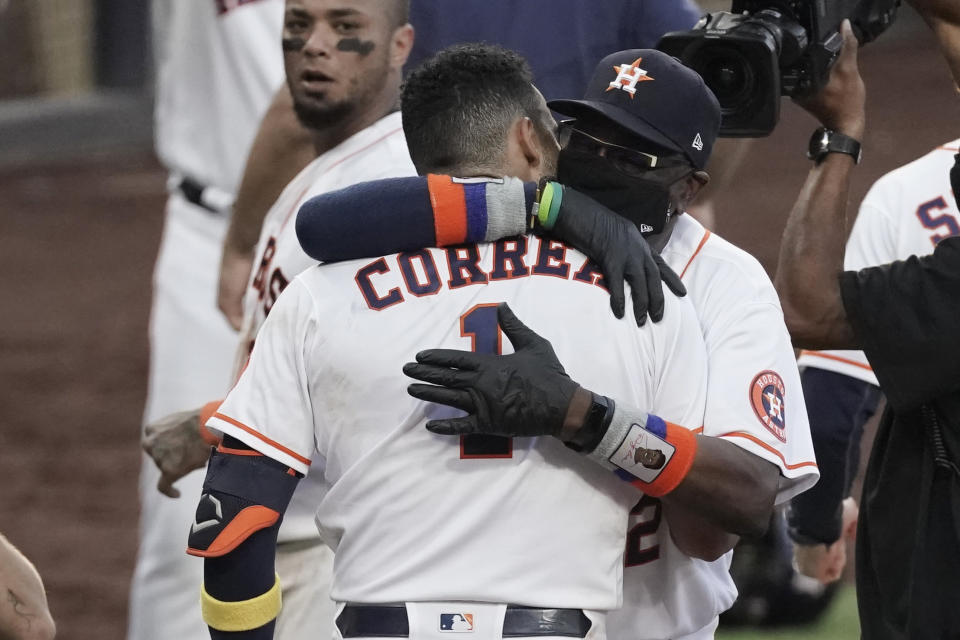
x: 422, y: 277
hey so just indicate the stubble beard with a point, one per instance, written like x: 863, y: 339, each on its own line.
x: 319, y: 116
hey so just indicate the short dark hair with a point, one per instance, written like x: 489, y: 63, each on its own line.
x: 458, y: 105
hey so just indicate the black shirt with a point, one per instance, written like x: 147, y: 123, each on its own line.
x: 907, y: 318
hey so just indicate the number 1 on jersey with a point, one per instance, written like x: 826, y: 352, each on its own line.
x: 480, y: 325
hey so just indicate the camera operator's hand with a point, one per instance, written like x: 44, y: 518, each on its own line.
x: 622, y: 254
x: 839, y: 106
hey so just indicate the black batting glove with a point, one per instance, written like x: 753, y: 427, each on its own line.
x: 622, y: 254
x: 524, y: 394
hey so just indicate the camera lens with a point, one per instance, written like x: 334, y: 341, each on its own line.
x: 728, y: 74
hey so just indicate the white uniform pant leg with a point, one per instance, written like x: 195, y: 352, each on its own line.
x: 191, y: 353
x: 305, y: 570
x: 706, y: 633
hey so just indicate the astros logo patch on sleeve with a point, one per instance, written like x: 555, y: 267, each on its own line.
x: 766, y: 397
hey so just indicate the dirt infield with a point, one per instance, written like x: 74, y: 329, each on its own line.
x: 77, y: 244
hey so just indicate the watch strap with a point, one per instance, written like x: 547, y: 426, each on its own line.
x: 825, y: 141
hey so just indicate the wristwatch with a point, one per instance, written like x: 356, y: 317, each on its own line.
x: 824, y: 141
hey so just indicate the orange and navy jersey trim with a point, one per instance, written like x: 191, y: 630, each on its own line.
x: 830, y: 356
x: 276, y: 445
x: 757, y: 441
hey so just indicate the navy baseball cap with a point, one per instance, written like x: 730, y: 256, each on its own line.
x: 654, y: 96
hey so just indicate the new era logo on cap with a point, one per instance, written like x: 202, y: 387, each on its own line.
x: 628, y: 75
x: 456, y: 622
x: 697, y: 143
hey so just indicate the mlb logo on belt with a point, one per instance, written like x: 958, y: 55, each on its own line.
x: 456, y: 622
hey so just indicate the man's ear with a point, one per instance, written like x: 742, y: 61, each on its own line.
x: 400, y: 46
x: 691, y: 187
x: 528, y: 141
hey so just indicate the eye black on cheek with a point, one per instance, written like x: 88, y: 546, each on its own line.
x: 363, y: 47
x: 293, y: 43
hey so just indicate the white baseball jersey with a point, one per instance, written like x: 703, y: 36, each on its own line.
x: 379, y: 151
x: 906, y: 212
x: 219, y: 63
x: 414, y: 516
x: 754, y: 400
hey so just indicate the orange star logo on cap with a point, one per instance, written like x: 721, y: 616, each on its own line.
x: 628, y: 75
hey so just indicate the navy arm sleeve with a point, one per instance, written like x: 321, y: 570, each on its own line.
x: 367, y: 220
x: 906, y: 316
x: 838, y: 407
x: 388, y: 216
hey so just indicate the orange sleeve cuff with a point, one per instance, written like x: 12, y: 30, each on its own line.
x: 449, y: 210
x: 685, y: 442
x: 206, y: 412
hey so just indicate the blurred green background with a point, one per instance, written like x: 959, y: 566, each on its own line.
x: 838, y: 623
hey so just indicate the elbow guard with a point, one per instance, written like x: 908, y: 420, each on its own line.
x: 244, y: 492
x: 235, y: 529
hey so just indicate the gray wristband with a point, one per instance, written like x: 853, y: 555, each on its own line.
x: 624, y: 417
x: 506, y: 210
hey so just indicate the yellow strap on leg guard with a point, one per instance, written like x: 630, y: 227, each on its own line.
x: 244, y: 615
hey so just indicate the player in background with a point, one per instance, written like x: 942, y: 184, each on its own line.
x: 588, y: 30
x: 218, y: 64
x: 343, y: 63
x: 906, y: 212
x: 457, y: 532
x: 675, y: 585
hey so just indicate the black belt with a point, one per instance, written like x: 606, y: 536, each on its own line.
x: 390, y: 621
x: 193, y: 193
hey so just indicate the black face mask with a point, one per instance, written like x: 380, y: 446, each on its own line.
x: 646, y: 203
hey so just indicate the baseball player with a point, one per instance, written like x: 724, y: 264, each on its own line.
x: 906, y: 212
x: 515, y: 538
x: 364, y: 141
x: 351, y: 115
x: 218, y: 65
x: 673, y: 587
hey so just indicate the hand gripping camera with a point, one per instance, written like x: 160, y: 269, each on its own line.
x: 763, y: 49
